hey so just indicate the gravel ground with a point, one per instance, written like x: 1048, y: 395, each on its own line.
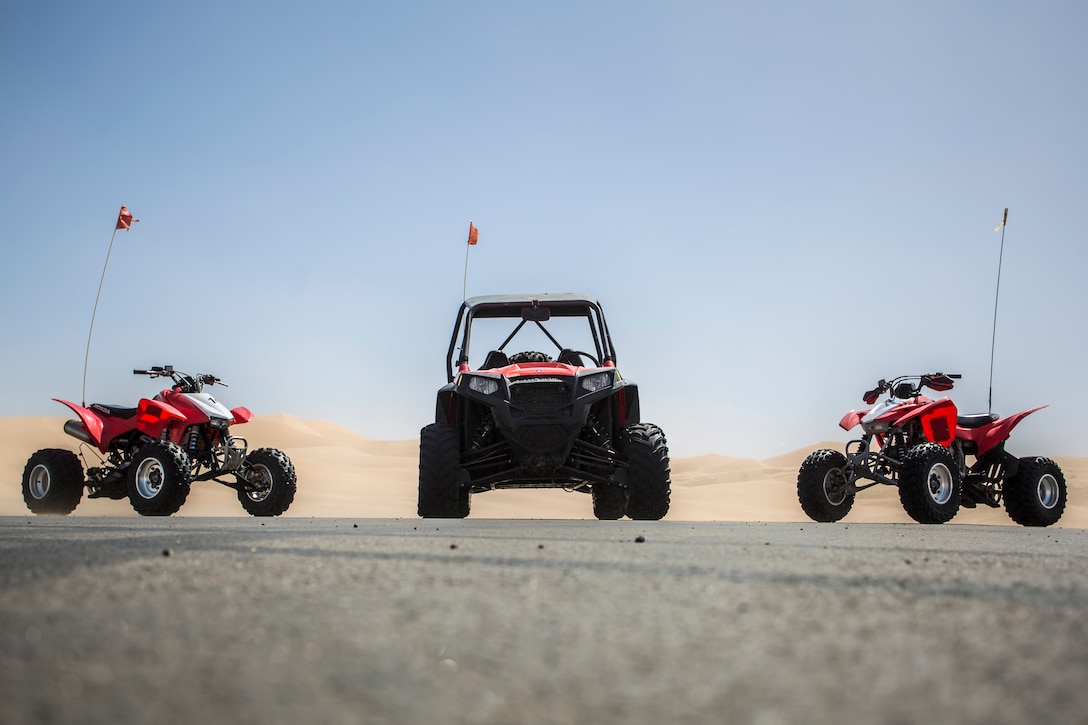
x: 185, y: 620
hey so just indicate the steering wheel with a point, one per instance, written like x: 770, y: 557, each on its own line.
x: 566, y: 354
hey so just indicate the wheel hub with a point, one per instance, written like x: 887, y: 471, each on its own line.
x: 260, y: 483
x: 149, y: 478
x: 940, y: 483
x: 1047, y: 491
x: 39, y: 482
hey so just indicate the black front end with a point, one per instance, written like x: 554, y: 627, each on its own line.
x: 540, y: 430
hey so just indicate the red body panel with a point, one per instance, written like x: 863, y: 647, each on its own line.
x: 241, y: 415
x: 938, y: 417
x: 525, y: 370
x: 988, y: 436
x: 155, y: 416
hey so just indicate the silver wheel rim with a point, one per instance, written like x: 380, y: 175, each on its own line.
x: 39, y: 481
x: 940, y: 483
x: 261, y: 478
x: 1047, y: 491
x: 834, y: 490
x: 149, y: 478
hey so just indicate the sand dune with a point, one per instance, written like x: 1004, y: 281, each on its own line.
x: 346, y: 475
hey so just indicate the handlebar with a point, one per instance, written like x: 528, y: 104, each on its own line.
x: 191, y: 383
x: 901, y: 388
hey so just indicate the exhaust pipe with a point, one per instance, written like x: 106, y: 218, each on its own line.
x: 76, y: 429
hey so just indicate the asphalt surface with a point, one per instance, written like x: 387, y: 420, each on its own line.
x: 186, y: 620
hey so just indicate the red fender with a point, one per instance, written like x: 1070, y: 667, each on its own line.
x: 851, y: 419
x: 993, y: 434
x: 91, y: 422
x: 241, y: 415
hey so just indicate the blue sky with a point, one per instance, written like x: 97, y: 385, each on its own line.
x: 776, y: 203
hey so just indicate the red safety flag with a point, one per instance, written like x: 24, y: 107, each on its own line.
x: 124, y: 219
x: 473, y: 234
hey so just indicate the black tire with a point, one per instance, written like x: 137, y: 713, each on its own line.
x: 158, y: 479
x: 1036, y: 495
x: 53, y: 482
x: 443, y: 493
x: 929, y: 484
x: 648, y: 473
x: 820, y: 486
x: 609, y: 501
x: 272, y: 475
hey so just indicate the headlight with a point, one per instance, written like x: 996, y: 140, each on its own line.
x: 220, y: 423
x: 487, y: 386
x: 593, y: 383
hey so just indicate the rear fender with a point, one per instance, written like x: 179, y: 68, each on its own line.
x: 155, y: 416
x: 989, y: 436
x: 91, y: 421
x: 938, y: 420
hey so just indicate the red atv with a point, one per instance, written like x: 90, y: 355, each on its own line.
x: 153, y: 452
x: 922, y: 448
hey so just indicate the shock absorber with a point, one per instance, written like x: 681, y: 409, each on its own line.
x: 194, y: 439
x: 483, y: 432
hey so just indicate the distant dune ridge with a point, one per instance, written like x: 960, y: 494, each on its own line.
x: 342, y: 474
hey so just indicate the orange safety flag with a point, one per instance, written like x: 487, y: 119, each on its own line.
x: 473, y: 234
x: 124, y: 219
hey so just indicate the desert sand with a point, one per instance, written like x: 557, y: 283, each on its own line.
x: 342, y: 474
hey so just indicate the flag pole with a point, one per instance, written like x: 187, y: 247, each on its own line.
x: 473, y: 236
x: 124, y: 221
x: 997, y: 295
x: 464, y: 290
x: 87, y: 355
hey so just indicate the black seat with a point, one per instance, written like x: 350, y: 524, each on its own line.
x: 975, y: 421
x: 113, y: 411
x: 495, y: 359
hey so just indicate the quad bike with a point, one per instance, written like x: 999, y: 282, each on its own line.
x: 524, y: 420
x: 153, y: 452
x: 923, y: 447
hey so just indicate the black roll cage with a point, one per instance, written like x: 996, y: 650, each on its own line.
x: 527, y: 308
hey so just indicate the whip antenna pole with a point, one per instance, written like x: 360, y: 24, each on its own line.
x: 997, y: 295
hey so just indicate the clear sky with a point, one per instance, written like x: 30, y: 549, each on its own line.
x: 777, y: 203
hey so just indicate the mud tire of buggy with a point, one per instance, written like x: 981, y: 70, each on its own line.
x: 1036, y: 495
x: 818, y: 471
x: 53, y: 482
x: 530, y: 356
x: 609, y: 501
x: 648, y: 474
x: 442, y: 490
x: 276, y: 471
x: 158, y: 479
x: 929, y: 484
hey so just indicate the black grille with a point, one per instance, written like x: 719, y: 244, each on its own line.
x: 541, y: 397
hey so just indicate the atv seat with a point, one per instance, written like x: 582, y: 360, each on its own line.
x: 975, y: 421
x: 113, y: 411
x: 495, y: 359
